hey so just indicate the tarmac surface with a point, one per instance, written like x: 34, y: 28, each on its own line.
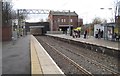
x: 16, y: 57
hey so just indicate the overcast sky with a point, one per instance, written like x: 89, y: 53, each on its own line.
x: 86, y: 9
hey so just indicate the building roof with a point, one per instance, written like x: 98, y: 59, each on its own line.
x: 63, y: 13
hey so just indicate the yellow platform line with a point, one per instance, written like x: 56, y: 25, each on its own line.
x: 35, y: 63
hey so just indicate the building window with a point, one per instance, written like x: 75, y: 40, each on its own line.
x: 62, y: 20
x: 71, y: 20
x: 58, y: 19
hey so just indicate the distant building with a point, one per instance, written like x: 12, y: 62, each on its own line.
x: 60, y: 20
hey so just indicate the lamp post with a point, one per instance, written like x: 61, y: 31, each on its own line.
x: 69, y: 24
x: 106, y: 35
x: 107, y: 8
x: 116, y: 8
x: 117, y: 16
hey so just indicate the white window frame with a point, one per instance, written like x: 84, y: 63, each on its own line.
x: 71, y: 20
x: 64, y: 20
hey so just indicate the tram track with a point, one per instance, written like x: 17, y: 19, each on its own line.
x: 72, y: 61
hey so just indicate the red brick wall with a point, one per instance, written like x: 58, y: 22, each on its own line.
x: 56, y: 23
x: 6, y: 33
x: 80, y: 22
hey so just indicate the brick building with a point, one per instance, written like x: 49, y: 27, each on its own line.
x: 62, y: 20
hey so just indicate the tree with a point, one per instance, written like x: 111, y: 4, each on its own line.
x: 41, y: 20
x: 104, y: 21
x: 111, y: 19
x: 6, y: 13
x: 97, y: 20
x: 13, y: 14
x: 47, y: 20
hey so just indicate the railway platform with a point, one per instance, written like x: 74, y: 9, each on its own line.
x: 90, y: 40
x: 27, y: 57
x: 99, y: 45
x: 41, y: 62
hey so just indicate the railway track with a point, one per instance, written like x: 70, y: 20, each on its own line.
x: 72, y: 61
x: 95, y: 62
x: 83, y: 71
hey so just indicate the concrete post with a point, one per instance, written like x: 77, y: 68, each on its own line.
x: 69, y: 23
